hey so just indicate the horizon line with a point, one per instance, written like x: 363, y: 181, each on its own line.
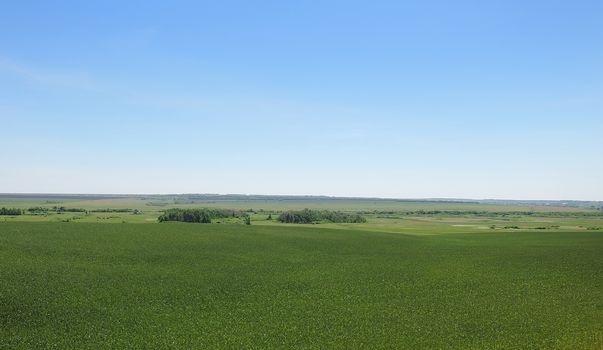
x: 452, y: 199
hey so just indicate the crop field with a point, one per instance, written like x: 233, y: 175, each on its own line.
x: 403, y: 279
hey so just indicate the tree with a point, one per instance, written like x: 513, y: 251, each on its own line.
x: 308, y: 216
x: 10, y: 211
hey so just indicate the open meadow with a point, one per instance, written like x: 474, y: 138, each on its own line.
x: 449, y: 279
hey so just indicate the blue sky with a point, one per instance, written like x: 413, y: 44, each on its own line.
x: 465, y: 99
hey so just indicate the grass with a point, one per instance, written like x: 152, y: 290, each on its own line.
x: 94, y: 285
x: 398, y: 222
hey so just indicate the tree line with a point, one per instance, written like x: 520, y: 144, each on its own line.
x: 308, y: 216
x: 201, y: 215
x: 57, y: 209
x: 485, y: 213
x: 10, y: 211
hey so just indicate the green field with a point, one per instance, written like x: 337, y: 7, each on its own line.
x: 397, y: 281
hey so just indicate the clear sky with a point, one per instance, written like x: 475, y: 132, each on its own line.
x: 471, y: 99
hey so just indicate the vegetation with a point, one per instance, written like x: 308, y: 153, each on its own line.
x: 113, y: 210
x: 56, y: 209
x: 308, y: 216
x: 202, y: 215
x: 94, y: 285
x: 38, y: 210
x: 68, y: 210
x: 10, y: 211
x: 485, y: 213
x: 454, y: 275
x: 187, y: 215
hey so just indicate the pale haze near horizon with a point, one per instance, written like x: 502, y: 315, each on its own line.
x: 430, y: 100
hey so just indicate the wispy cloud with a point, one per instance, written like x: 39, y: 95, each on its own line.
x: 246, y: 108
x: 45, y: 77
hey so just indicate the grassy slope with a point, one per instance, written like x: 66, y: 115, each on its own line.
x: 87, y: 285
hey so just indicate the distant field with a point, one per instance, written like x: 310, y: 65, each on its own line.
x: 382, y: 214
x: 91, y: 285
x: 157, y: 203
